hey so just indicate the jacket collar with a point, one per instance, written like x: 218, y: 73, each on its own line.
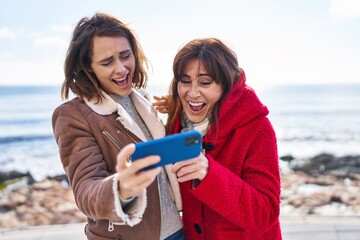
x: 149, y: 115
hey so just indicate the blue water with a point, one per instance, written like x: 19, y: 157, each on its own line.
x: 308, y: 120
x: 312, y: 119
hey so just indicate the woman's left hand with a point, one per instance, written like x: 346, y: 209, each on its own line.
x: 195, y: 168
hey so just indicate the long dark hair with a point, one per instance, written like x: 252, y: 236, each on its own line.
x: 78, y: 78
x: 219, y: 61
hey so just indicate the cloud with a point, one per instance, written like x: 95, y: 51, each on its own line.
x: 53, y: 41
x: 6, y: 33
x: 37, y: 73
x: 7, y: 55
x: 344, y: 9
x: 62, y: 28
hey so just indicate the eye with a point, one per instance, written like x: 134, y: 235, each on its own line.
x: 106, y: 63
x: 205, y: 84
x: 205, y: 81
x: 125, y: 55
x: 185, y: 81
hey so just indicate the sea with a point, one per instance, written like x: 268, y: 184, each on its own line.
x: 308, y: 120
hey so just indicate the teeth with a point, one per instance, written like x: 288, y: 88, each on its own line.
x: 120, y: 79
x: 195, y: 104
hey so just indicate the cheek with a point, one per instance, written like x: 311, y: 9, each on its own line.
x: 181, y: 91
x: 97, y: 72
x: 216, y: 96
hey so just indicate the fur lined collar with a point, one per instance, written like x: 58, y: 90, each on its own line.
x: 142, y: 104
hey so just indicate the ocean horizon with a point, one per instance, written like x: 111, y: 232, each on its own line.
x: 308, y: 120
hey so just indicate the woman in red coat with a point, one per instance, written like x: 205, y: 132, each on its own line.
x: 232, y: 190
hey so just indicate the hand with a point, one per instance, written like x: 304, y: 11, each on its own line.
x: 132, y: 181
x: 162, y: 103
x: 196, y: 168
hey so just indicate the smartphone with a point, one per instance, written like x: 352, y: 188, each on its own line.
x: 171, y: 149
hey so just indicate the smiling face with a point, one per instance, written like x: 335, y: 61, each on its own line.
x: 113, y: 63
x: 198, y: 92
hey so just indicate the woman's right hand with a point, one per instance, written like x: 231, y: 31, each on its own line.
x: 132, y: 181
x: 162, y: 103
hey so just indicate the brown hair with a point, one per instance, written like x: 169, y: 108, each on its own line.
x: 78, y: 78
x: 218, y: 60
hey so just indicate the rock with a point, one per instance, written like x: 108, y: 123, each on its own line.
x: 287, y: 158
x: 4, y: 176
x: 328, y: 164
x: 322, y: 185
x: 42, y: 203
x: 304, y: 194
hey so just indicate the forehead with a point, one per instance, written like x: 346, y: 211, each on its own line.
x: 105, y: 46
x: 194, y: 66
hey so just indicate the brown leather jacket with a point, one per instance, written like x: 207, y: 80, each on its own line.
x: 89, y: 137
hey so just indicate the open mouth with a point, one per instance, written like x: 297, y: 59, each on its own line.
x: 196, y: 107
x: 122, y: 82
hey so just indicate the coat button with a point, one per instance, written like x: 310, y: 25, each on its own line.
x: 197, y: 228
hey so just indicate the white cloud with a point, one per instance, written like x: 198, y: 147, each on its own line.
x: 6, y: 33
x: 62, y: 28
x: 7, y: 55
x: 37, y: 73
x: 344, y: 9
x: 54, y: 41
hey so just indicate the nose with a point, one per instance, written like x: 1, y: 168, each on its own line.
x: 120, y: 67
x: 193, y: 91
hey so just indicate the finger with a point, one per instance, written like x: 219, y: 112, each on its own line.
x: 159, y: 103
x: 178, y: 165
x: 123, y: 156
x: 146, y: 177
x: 160, y: 106
x: 141, y: 163
x: 188, y: 177
x: 157, y: 98
x: 130, y: 172
x: 134, y: 185
x: 188, y: 169
x: 163, y: 110
x: 139, y: 178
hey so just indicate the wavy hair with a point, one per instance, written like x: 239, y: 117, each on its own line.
x: 78, y: 78
x: 219, y: 61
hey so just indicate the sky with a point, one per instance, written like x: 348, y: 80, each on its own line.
x: 277, y: 42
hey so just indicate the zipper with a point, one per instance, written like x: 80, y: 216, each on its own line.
x: 112, y: 139
x: 127, y: 132
x: 111, y: 226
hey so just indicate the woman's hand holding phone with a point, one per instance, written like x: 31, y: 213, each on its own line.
x: 195, y: 168
x: 132, y: 181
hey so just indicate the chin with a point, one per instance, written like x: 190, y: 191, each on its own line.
x: 123, y: 93
x: 196, y: 119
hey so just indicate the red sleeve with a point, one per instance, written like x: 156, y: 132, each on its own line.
x: 252, y: 200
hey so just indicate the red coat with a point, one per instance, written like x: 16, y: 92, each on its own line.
x: 240, y: 196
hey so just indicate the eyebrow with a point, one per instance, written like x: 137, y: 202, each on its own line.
x: 105, y: 59
x: 200, y: 75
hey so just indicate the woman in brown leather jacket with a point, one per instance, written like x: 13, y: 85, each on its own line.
x: 105, y: 68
